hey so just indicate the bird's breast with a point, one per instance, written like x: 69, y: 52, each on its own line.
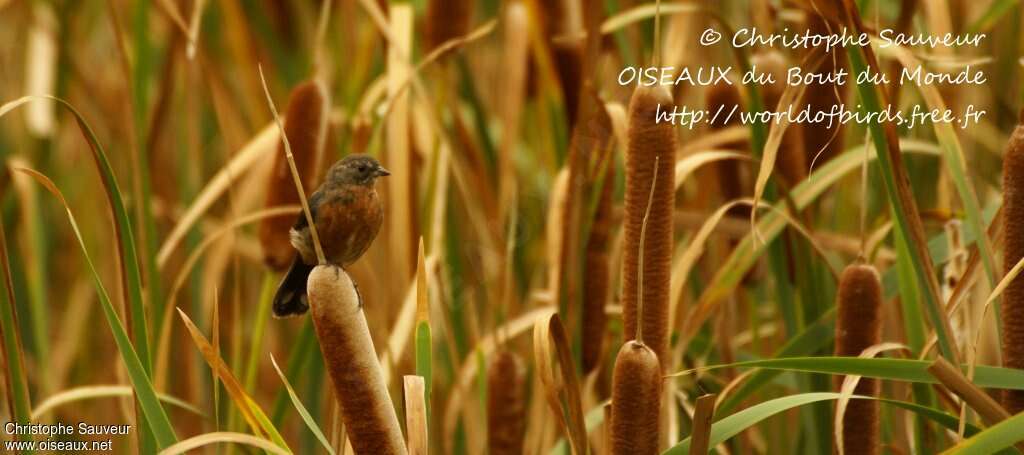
x: 347, y: 222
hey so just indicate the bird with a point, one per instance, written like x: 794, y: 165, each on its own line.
x: 347, y: 213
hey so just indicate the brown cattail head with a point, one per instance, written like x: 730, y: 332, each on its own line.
x: 649, y: 141
x: 859, y: 326
x: 636, y: 401
x: 306, y: 125
x: 1013, y: 244
x: 596, y: 272
x: 792, y: 159
x: 366, y: 408
x: 447, y: 19
x: 506, y: 404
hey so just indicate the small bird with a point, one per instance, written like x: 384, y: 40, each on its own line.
x: 347, y: 213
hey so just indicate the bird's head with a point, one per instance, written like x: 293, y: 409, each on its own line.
x: 356, y: 169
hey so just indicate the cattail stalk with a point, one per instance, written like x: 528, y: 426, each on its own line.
x: 1013, y: 244
x: 649, y: 141
x: 306, y: 127
x: 366, y: 407
x: 859, y: 326
x: 506, y: 404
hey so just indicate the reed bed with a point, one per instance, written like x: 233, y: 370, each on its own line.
x: 147, y: 193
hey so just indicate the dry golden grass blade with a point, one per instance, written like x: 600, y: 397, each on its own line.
x: 416, y: 415
x: 41, y: 69
x: 231, y: 384
x: 557, y: 372
x: 555, y: 234
x: 863, y: 418
x: 644, y: 12
x: 789, y: 98
x: 398, y: 157
x: 253, y: 152
x: 691, y: 163
x: 196, y: 442
x: 513, y: 91
x: 703, y: 414
x: 349, y: 356
x: 76, y: 394
x: 193, y: 28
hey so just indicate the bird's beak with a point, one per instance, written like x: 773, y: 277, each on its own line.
x: 381, y: 172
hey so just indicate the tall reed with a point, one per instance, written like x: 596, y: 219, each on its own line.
x: 366, y: 407
x: 859, y: 326
x: 506, y: 404
x: 649, y: 141
x: 1013, y: 244
x: 823, y: 141
x: 306, y: 126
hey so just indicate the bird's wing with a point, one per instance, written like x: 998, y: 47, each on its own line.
x: 314, y: 202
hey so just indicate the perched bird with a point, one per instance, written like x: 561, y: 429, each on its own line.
x: 347, y: 213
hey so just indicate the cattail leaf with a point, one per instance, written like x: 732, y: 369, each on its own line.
x: 645, y: 12
x: 157, y: 420
x: 993, y: 439
x: 250, y: 411
x: 128, y: 257
x: 551, y: 347
x: 732, y: 425
x: 953, y: 158
x: 891, y: 369
x: 91, y: 392
x: 15, y: 376
x: 303, y: 412
x: 205, y: 439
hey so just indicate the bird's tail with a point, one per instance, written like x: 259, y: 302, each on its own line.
x: 290, y: 298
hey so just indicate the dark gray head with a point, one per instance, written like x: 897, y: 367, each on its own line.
x: 356, y: 169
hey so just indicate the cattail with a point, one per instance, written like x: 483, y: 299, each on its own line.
x: 792, y: 159
x: 636, y: 400
x: 447, y: 19
x: 595, y: 281
x: 306, y: 125
x: 506, y: 404
x: 649, y: 141
x: 824, y: 142
x: 858, y: 327
x: 1013, y: 244
x: 366, y: 407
